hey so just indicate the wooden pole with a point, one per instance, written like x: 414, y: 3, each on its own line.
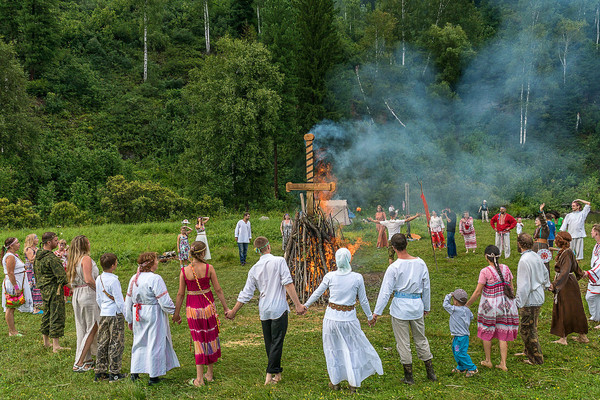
x: 310, y: 177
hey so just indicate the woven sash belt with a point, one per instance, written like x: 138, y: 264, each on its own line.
x: 541, y: 241
x: 339, y: 307
x: 403, y: 295
x: 199, y: 291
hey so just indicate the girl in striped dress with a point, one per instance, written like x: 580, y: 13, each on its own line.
x: 201, y: 312
x: 31, y: 242
x: 467, y: 229
x: 498, y: 316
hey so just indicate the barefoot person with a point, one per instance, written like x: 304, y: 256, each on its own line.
x: 574, y: 223
x: 393, y: 226
x: 497, y: 316
x: 348, y: 353
x: 51, y: 277
x: 593, y: 290
x: 200, y: 310
x: 407, y: 279
x: 568, y: 315
x: 532, y: 282
x: 271, y: 276
x: 15, y: 283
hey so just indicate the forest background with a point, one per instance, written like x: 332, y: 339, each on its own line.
x: 131, y: 110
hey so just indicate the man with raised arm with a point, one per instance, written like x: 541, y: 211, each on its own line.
x: 574, y: 223
x: 393, y: 226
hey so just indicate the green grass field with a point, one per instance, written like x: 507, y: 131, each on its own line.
x: 30, y: 371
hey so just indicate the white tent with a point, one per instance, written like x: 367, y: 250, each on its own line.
x: 338, y: 209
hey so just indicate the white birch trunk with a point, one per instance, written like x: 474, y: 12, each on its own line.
x: 403, y: 38
x: 597, y: 25
x: 258, y: 23
x: 206, y: 27
x: 145, y: 41
x: 441, y: 7
x: 521, y: 122
x: 563, y: 58
x: 526, y: 110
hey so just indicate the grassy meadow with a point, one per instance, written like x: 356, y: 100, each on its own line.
x: 30, y: 371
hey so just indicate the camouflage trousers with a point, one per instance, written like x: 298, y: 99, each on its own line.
x: 111, y: 342
x: 529, y: 334
x: 53, y: 319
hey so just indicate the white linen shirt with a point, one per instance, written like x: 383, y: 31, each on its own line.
x: 532, y: 280
x: 108, y: 307
x: 343, y: 291
x: 574, y: 222
x: 436, y: 224
x: 243, y: 231
x: 269, y: 275
x: 393, y: 226
x: 409, y: 277
x: 594, y: 272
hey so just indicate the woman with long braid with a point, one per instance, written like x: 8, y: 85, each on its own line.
x: 498, y: 316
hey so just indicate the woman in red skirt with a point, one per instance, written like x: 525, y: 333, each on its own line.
x: 201, y: 312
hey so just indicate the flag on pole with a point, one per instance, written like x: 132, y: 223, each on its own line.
x: 425, y: 206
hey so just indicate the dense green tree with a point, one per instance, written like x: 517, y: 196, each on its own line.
x: 235, y: 111
x: 319, y: 51
x: 242, y: 17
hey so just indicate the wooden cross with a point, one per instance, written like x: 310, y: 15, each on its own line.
x: 311, y: 187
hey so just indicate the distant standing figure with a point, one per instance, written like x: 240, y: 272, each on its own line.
x: 243, y: 235
x: 450, y: 231
x: 574, y: 223
x: 382, y: 241
x: 436, y: 224
x: 593, y: 290
x: 467, y: 230
x: 391, y: 208
x: 551, y: 228
x: 31, y: 243
x: 183, y: 245
x: 286, y: 230
x: 502, y: 223
x: 393, y: 226
x: 519, y: 226
x: 568, y: 315
x: 483, y: 209
x: 201, y: 234
x: 14, y: 283
x: 63, y: 253
x: 540, y: 236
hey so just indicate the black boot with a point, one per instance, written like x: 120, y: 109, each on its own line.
x: 430, y: 373
x: 408, y: 377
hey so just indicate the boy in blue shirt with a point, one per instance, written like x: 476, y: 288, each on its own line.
x: 460, y: 319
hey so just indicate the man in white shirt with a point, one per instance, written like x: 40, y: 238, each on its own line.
x: 574, y: 223
x: 408, y: 280
x: 271, y: 276
x: 243, y: 234
x: 393, y: 226
x: 532, y: 281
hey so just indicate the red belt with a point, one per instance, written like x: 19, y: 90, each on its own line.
x: 137, y: 306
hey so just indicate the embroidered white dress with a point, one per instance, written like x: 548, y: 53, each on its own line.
x: 348, y: 353
x: 147, y: 306
x: 19, y: 275
x: 593, y: 290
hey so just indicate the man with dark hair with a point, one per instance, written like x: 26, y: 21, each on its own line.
x: 532, y: 281
x: 51, y: 277
x: 502, y: 224
x: 243, y: 235
x: 407, y: 279
x: 450, y: 231
x: 271, y: 276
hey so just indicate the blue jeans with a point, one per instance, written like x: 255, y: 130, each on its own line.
x: 243, y: 248
x: 451, y: 244
x: 460, y: 346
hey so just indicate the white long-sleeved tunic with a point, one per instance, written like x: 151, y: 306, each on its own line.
x: 436, y: 224
x: 574, y: 222
x: 532, y: 280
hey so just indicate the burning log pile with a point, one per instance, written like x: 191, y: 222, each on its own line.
x: 310, y: 252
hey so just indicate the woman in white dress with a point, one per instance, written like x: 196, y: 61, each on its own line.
x: 15, y: 282
x: 348, y: 353
x: 81, y: 274
x: 147, y: 306
x: 201, y: 234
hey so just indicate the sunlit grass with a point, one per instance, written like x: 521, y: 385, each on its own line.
x: 29, y: 371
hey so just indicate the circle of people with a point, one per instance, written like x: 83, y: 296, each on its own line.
x: 49, y: 275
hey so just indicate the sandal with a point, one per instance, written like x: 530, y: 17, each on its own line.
x: 458, y: 371
x: 82, y: 368
x: 192, y: 382
x: 471, y: 373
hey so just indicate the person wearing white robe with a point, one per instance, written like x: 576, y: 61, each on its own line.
x: 348, y: 353
x: 593, y: 290
x: 574, y: 223
x: 147, y: 306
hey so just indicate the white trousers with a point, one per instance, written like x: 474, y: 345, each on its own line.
x: 503, y: 243
x: 484, y: 216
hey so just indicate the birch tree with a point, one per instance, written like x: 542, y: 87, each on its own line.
x: 569, y: 31
x: 206, y: 27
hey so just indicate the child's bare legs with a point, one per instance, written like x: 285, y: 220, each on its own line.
x: 487, y: 349
x: 199, y: 381
x: 503, y: 355
x: 55, y: 345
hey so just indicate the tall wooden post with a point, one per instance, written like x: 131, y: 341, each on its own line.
x: 310, y: 175
x: 406, y: 205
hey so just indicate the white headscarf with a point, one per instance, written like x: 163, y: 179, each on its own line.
x: 342, y: 259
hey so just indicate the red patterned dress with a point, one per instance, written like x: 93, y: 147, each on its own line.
x: 202, y: 319
x: 382, y: 241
